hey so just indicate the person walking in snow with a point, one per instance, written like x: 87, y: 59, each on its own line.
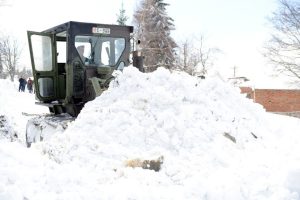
x: 29, y: 85
x: 22, y: 84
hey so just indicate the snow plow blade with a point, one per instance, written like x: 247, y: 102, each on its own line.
x: 42, y: 127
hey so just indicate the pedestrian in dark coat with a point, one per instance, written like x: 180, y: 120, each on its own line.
x: 22, y: 84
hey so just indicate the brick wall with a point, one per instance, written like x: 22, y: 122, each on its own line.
x: 248, y: 91
x: 275, y: 100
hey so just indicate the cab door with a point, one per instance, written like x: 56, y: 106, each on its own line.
x: 43, y: 60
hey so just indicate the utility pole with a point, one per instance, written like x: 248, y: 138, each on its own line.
x: 234, y: 71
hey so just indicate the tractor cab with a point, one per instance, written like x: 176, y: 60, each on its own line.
x: 72, y: 63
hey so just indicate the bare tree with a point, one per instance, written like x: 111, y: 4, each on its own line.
x: 283, y: 49
x: 205, y: 56
x: 25, y: 73
x: 196, y: 57
x: 2, y: 74
x: 10, y: 54
x: 186, y: 49
x: 1, y: 66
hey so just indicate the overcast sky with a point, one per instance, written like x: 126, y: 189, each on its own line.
x: 237, y: 27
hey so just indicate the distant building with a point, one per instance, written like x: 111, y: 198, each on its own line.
x: 283, y: 101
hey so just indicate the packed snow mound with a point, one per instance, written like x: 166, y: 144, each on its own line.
x: 213, y: 142
x: 207, y: 133
x: 167, y: 110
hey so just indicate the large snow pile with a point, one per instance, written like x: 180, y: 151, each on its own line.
x: 215, y: 144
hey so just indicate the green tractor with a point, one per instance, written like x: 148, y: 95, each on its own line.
x: 73, y: 63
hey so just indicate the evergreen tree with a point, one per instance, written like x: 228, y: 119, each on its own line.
x: 153, y: 29
x: 122, y: 18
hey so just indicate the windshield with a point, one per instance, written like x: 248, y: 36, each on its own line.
x: 100, y: 51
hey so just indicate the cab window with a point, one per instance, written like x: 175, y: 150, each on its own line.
x: 100, y: 51
x: 42, y: 52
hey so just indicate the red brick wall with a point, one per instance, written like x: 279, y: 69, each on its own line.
x: 275, y: 100
x: 248, y: 91
x: 278, y: 100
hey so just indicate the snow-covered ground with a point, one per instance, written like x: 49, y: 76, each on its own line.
x: 215, y: 144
